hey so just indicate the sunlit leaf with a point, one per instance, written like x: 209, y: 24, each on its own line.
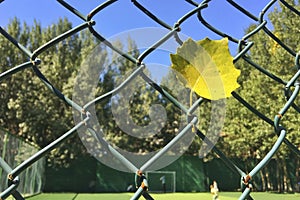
x: 206, y: 67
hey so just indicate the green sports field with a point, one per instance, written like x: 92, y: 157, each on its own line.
x: 170, y: 196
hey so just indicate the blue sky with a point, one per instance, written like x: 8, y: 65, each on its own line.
x: 123, y: 15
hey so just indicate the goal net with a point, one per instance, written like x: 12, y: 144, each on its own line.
x: 161, y: 181
x: 14, y: 151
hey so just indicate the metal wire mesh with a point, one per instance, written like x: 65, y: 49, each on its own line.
x: 243, y: 44
x: 14, y: 151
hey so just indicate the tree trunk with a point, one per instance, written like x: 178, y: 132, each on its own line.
x: 263, y: 181
x: 280, y: 175
x: 297, y: 184
x: 268, y: 184
x: 286, y: 179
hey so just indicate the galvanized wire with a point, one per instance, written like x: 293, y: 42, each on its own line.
x: 243, y: 45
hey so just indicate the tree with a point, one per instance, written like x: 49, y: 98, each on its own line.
x: 29, y: 109
x: 127, y: 116
x: 248, y: 136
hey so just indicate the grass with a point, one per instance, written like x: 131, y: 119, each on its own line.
x: 168, y: 196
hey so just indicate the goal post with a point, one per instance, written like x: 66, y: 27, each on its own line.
x: 161, y: 181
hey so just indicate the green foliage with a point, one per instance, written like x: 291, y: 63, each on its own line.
x: 131, y: 120
x: 262, y: 92
x: 29, y: 110
x: 28, y: 107
x: 247, y: 135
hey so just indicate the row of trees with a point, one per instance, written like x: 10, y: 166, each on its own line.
x: 250, y: 137
x: 31, y: 112
x: 28, y: 109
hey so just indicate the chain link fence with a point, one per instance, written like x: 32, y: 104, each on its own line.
x: 243, y: 45
x: 13, y: 152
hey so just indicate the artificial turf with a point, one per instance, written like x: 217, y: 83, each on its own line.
x: 168, y: 196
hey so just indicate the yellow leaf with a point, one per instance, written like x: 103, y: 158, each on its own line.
x: 206, y: 67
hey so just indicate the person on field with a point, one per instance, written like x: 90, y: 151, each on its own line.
x: 163, y: 182
x: 214, y: 190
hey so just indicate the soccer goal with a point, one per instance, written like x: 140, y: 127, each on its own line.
x: 161, y: 181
